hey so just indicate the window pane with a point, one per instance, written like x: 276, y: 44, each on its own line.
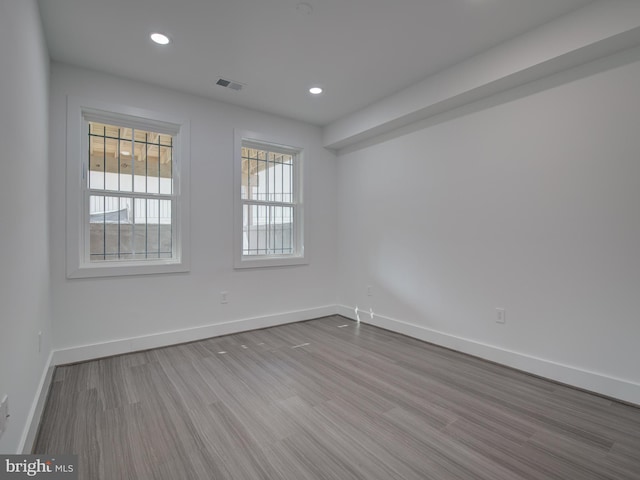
x: 271, y: 178
x: 262, y: 179
x: 124, y: 228
x: 139, y: 228
x: 110, y: 164
x: 287, y: 182
x: 153, y: 169
x: 166, y: 169
x: 281, y: 230
x: 266, y: 176
x: 267, y: 230
x: 97, y: 154
x: 109, y: 227
x: 126, y: 166
x: 165, y: 228
x: 96, y: 228
x: 140, y: 162
x: 254, y: 178
x: 116, y: 163
x: 254, y: 231
x: 152, y: 247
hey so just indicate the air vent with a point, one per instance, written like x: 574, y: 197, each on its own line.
x: 230, y: 84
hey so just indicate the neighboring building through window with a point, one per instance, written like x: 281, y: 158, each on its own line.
x: 127, y: 200
x: 270, y: 194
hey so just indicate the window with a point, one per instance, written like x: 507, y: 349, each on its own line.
x: 126, y: 201
x: 130, y: 194
x: 269, y: 217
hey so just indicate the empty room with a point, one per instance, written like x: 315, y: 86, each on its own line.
x: 320, y: 239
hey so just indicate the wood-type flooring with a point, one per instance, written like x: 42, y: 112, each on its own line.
x: 329, y: 399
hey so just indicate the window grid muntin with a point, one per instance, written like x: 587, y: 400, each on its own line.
x: 258, y: 207
x: 137, y: 198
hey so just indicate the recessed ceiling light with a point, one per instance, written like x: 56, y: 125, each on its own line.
x: 160, y: 38
x: 315, y: 90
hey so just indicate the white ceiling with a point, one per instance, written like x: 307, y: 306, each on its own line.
x: 359, y: 50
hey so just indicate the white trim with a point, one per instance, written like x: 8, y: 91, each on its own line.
x: 162, y: 339
x: 284, y: 145
x: 37, y: 408
x: 619, y: 388
x: 78, y: 110
x: 610, y: 386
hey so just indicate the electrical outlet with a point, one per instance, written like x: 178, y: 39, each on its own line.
x: 224, y: 297
x: 369, y: 291
x: 501, y: 315
x: 4, y: 413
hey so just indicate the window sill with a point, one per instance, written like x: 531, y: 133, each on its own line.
x: 128, y: 268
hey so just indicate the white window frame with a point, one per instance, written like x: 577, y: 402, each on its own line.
x: 79, y: 113
x: 300, y: 257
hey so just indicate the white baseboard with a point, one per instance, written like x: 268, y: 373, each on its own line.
x: 621, y: 389
x: 618, y: 388
x: 37, y: 407
x: 127, y: 345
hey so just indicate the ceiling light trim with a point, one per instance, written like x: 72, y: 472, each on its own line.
x: 160, y: 38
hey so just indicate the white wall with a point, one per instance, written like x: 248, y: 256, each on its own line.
x: 594, y: 31
x: 531, y: 203
x: 24, y: 231
x: 95, y: 311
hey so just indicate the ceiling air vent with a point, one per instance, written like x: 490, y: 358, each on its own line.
x: 230, y: 84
